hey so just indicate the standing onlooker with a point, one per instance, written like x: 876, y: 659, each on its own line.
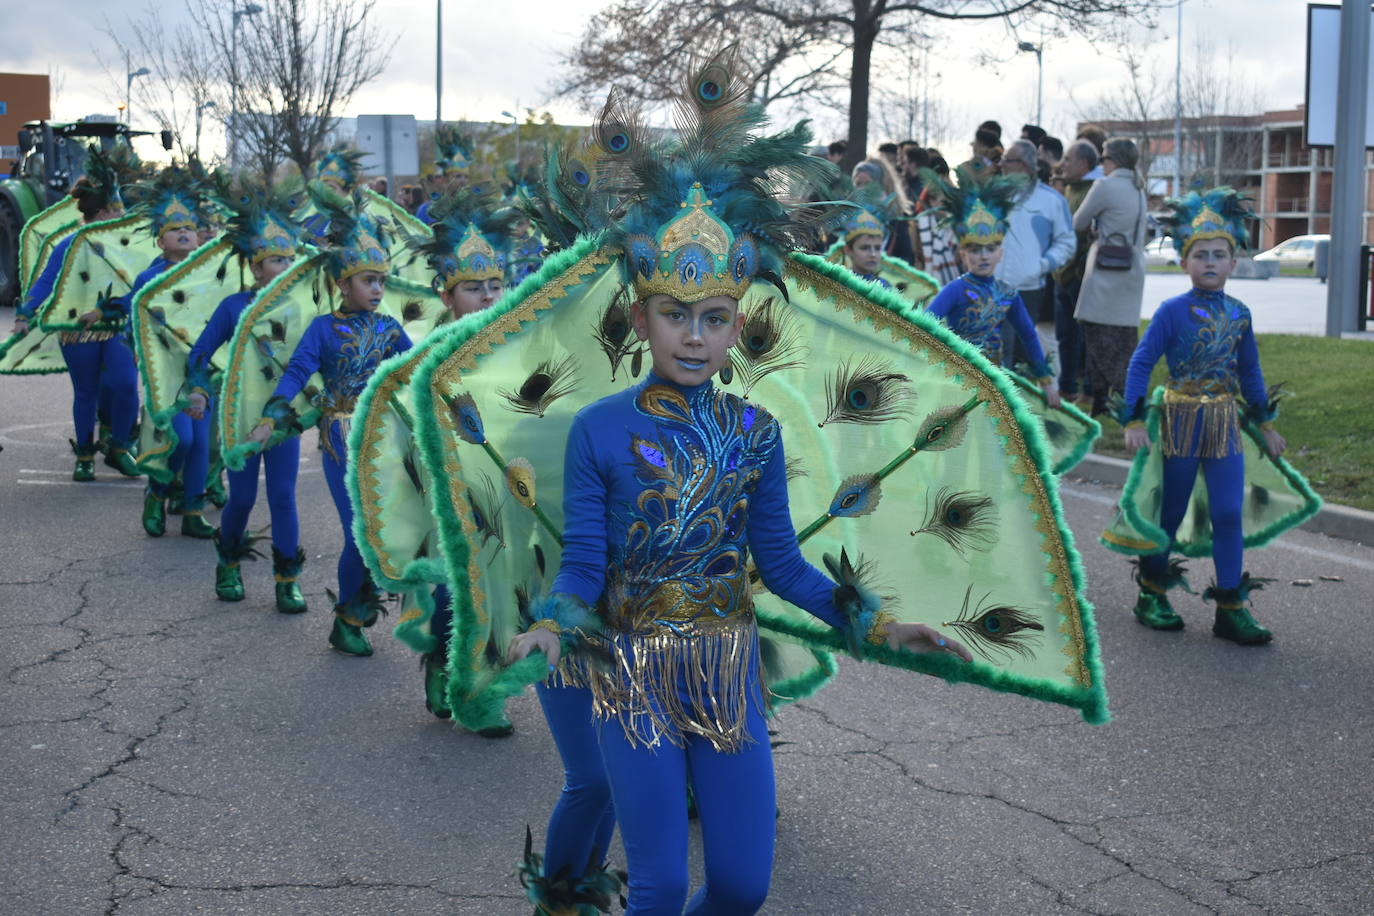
x: 878, y: 171
x: 836, y: 151
x: 987, y: 152
x: 913, y: 159
x: 1097, y: 137
x: 1109, y: 302
x: 1039, y: 239
x: 1033, y: 132
x: 889, y: 153
x: 937, y: 250
x: 1079, y: 159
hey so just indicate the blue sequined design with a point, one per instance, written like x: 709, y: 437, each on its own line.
x: 980, y: 320
x: 1208, y: 355
x: 364, y: 340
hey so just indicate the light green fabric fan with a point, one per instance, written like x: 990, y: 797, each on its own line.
x: 103, y: 260
x: 915, y: 287
x: 34, y: 352
x: 1069, y: 432
x: 1276, y: 498
x: 267, y: 333
x: 941, y: 482
x: 41, y: 232
x: 169, y: 313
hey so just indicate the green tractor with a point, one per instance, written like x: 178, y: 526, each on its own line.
x: 51, y: 157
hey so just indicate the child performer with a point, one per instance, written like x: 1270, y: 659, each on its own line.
x: 669, y: 487
x: 175, y: 213
x: 1209, y: 342
x: 263, y: 231
x: 99, y: 362
x: 345, y: 347
x: 975, y: 304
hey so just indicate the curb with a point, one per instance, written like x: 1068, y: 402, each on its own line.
x: 1332, y: 520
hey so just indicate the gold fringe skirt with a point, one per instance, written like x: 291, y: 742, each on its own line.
x: 1218, y: 415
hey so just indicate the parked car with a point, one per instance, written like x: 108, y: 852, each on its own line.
x: 1299, y: 251
x: 1160, y: 251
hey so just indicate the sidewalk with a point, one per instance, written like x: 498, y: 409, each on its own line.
x: 1280, y: 305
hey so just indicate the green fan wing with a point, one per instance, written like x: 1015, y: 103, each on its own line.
x: 169, y: 313
x: 103, y: 259
x: 267, y: 334
x: 33, y: 352
x: 1277, y: 498
x: 404, y: 262
x: 1069, y: 432
x: 41, y: 232
x: 500, y: 391
x: 915, y: 287
x: 965, y: 532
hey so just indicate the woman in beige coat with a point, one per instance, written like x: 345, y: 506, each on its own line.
x: 1109, y: 301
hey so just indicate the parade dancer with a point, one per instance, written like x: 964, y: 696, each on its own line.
x: 345, y: 347
x: 265, y: 236
x: 174, y: 211
x: 99, y: 361
x: 976, y: 304
x: 452, y: 164
x: 1208, y: 339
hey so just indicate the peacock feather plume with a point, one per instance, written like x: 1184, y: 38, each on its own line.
x: 1219, y: 213
x: 975, y: 209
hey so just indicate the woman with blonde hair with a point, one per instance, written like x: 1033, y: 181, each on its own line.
x: 877, y: 170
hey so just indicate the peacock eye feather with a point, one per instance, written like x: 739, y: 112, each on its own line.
x: 769, y: 342
x: 467, y: 419
x: 963, y: 519
x: 997, y: 632
x: 547, y: 383
x: 868, y: 392
x: 857, y: 495
x: 486, y: 513
x: 942, y: 429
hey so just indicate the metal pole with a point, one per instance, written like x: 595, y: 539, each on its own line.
x: 1040, y: 83
x: 1348, y: 185
x: 233, y: 78
x: 438, y: 63
x: 1178, y: 104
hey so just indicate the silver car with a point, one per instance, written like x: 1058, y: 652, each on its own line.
x: 1299, y: 251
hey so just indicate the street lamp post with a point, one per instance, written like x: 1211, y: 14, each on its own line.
x: 1178, y: 104
x: 129, y: 90
x: 249, y: 9
x: 200, y: 108
x: 1039, y: 77
x: 516, y: 122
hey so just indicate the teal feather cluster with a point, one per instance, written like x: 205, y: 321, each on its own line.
x: 262, y: 218
x: 1221, y: 212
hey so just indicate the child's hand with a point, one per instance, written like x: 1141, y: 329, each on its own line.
x: 1052, y: 394
x: 261, y: 433
x: 1273, y: 442
x: 21, y: 325
x: 917, y: 637
x: 1136, y: 438
x: 86, y: 319
x: 540, y: 640
x: 196, y: 409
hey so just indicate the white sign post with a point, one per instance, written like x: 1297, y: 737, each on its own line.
x: 392, y: 145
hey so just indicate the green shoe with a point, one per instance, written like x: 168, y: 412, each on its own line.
x: 287, y: 570
x: 1233, y: 620
x: 436, y: 684
x: 193, y: 526
x: 349, y: 638
x: 122, y: 461
x: 85, y: 462
x: 154, y: 515
x: 228, y: 582
x: 1154, y: 611
x: 504, y: 730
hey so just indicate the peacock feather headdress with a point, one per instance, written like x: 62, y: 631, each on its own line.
x: 703, y: 212
x: 1220, y: 213
x: 106, y: 174
x: 356, y: 241
x: 471, y: 240
x: 976, y: 208
x: 871, y: 213
x: 262, y: 219
x: 452, y: 151
x: 172, y: 200
x: 340, y: 169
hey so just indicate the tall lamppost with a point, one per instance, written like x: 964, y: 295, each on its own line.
x: 516, y: 122
x: 249, y: 9
x: 200, y: 108
x: 1039, y: 77
x: 438, y: 63
x: 1178, y: 104
x: 128, y: 91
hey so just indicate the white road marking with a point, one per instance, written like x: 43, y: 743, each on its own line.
x: 126, y: 484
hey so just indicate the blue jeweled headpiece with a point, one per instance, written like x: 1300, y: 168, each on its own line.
x: 1220, y: 213
x: 262, y: 220
x: 172, y: 200
x: 975, y: 209
x: 453, y: 151
x: 356, y: 241
x: 471, y: 241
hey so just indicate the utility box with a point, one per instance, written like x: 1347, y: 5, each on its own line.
x: 392, y: 145
x: 1321, y: 259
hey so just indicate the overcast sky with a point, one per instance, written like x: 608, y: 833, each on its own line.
x: 491, y: 63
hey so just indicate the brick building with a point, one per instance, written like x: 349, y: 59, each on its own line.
x: 23, y: 97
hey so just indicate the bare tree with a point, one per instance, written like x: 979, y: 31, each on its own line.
x: 1219, y: 105
x: 1138, y: 106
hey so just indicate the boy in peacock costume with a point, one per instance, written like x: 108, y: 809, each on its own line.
x: 452, y: 165
x: 862, y: 243
x: 976, y: 304
x: 668, y: 486
x: 174, y: 208
x: 264, y: 236
x: 94, y: 266
x: 1196, y: 426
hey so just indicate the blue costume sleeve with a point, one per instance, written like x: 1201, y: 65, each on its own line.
x: 945, y: 302
x: 1251, y: 375
x: 403, y: 342
x: 1147, y: 353
x: 117, y: 308
x: 216, y: 334
x: 42, y: 287
x: 1025, y: 329
x: 582, y: 571
x: 305, y: 362
x: 773, y: 541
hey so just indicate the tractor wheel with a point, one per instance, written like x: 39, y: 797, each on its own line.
x: 10, y: 227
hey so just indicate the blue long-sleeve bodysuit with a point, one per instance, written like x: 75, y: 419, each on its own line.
x: 345, y: 348
x: 1209, y: 343
x: 281, y: 462
x: 974, y: 308
x: 668, y: 491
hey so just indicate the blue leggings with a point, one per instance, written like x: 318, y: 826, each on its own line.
x: 352, y: 572
x: 736, y: 804
x: 583, y: 820
x: 1225, y: 479
x: 281, y: 463
x: 103, y: 373
x: 190, y: 459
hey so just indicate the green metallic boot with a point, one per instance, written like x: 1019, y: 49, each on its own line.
x: 85, y: 462
x: 193, y: 526
x: 351, y: 616
x: 287, y: 570
x: 120, y: 459
x: 214, y: 489
x: 1152, y: 607
x: 1233, y: 620
x: 436, y: 683
x: 154, y: 515
x: 228, y: 578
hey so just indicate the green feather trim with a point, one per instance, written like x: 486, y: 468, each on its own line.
x: 13, y: 341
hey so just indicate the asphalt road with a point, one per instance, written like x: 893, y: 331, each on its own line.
x: 166, y: 753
